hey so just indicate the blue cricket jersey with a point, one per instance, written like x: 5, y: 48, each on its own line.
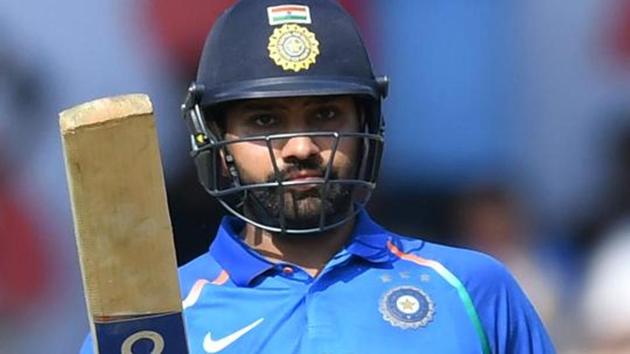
x: 382, y: 293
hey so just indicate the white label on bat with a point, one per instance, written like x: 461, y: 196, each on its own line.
x: 156, y: 338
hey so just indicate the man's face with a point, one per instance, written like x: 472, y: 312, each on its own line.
x: 300, y: 158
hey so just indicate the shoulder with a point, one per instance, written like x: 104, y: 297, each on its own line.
x: 484, y: 278
x: 204, y: 267
x: 509, y: 321
x: 471, y: 267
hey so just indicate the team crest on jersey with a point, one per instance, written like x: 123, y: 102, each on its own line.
x: 407, y: 307
x: 293, y: 47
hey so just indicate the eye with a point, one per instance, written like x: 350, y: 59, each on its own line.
x: 263, y: 120
x: 326, y: 114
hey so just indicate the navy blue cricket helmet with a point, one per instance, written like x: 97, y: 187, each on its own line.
x: 274, y: 49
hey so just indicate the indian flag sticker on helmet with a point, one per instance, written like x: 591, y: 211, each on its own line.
x: 282, y: 14
x: 293, y: 47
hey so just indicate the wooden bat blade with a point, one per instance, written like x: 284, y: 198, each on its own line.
x: 122, y: 226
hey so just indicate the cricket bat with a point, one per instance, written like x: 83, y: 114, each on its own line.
x: 122, y: 226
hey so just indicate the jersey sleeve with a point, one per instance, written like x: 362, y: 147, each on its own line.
x: 506, y: 314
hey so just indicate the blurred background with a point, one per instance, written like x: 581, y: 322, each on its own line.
x: 508, y: 131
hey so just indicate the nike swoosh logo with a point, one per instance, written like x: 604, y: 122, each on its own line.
x: 215, y: 346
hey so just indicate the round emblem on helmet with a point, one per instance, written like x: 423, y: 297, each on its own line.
x: 407, y: 307
x: 293, y: 47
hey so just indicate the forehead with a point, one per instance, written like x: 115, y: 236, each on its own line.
x: 290, y: 103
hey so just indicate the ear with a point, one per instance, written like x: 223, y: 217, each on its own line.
x: 218, y: 134
x: 224, y: 167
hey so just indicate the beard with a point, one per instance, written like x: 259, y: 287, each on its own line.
x: 301, y: 209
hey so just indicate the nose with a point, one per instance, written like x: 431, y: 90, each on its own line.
x: 300, y: 148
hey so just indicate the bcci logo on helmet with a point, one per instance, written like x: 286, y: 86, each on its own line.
x: 293, y: 47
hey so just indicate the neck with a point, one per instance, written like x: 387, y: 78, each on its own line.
x: 311, y: 253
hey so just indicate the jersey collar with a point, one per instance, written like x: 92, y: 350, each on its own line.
x: 234, y: 256
x: 368, y: 241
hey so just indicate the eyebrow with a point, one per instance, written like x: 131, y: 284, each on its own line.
x: 267, y: 106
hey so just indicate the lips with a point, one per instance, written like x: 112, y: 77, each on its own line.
x: 304, y: 176
x: 305, y: 180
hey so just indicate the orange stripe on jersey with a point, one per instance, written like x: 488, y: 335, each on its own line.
x: 409, y: 257
x: 195, y: 291
x: 221, y: 279
x: 452, y: 279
